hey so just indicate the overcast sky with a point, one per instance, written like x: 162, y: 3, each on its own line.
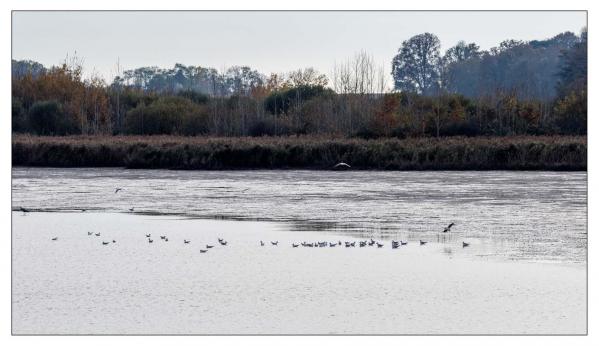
x: 266, y: 41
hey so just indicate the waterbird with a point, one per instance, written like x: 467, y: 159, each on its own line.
x: 105, y: 243
x: 117, y: 189
x: 395, y: 246
x: 90, y: 233
x: 341, y: 165
x: 362, y: 243
x: 23, y: 210
x: 339, y: 242
x: 332, y: 244
x: 220, y: 240
x: 423, y: 242
x: 98, y: 234
x: 448, y: 228
x: 223, y: 243
x: 162, y: 237
x: 203, y: 251
x: 464, y: 244
x: 132, y: 208
x: 165, y: 239
x: 275, y: 242
x: 150, y: 240
x: 379, y: 244
x: 295, y: 245
x: 148, y: 235
x: 114, y: 241
x: 55, y: 238
x: 209, y: 246
x: 186, y: 241
x: 403, y: 242
x: 262, y: 243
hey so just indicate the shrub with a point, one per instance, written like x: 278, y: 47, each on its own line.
x: 48, y: 118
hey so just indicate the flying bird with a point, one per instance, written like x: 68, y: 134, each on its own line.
x: 117, y: 189
x: 448, y: 228
x: 341, y: 165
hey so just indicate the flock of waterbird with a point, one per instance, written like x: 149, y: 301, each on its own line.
x: 394, y: 243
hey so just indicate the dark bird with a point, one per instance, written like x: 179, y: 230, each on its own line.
x: 162, y: 237
x: 90, y: 233
x: 341, y: 166
x: 275, y: 242
x: 395, y: 246
x: 295, y: 245
x: 55, y: 238
x: 186, y: 241
x: 261, y: 243
x: 117, y: 189
x: 114, y: 241
x: 220, y: 240
x: 339, y: 242
x: 98, y: 234
x: 132, y: 209
x: 332, y: 244
x: 165, y: 239
x: 403, y: 242
x: 379, y: 245
x: 105, y: 243
x: 209, y: 246
x: 464, y: 244
x: 83, y: 210
x: 223, y: 243
x: 148, y: 235
x: 23, y: 210
x: 203, y: 251
x: 448, y: 228
x: 150, y: 240
x: 423, y: 242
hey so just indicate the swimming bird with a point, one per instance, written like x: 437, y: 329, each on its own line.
x: 132, y: 209
x: 117, y: 189
x: 341, y: 165
x: 165, y: 239
x: 395, y: 246
x: 262, y: 243
x: 98, y: 234
x: 23, y: 210
x: 220, y: 240
x: 105, y: 243
x: 295, y: 245
x: 162, y: 237
x: 339, y: 242
x: 403, y: 242
x: 90, y: 233
x: 203, y: 251
x: 223, y: 243
x: 114, y: 241
x: 423, y: 242
x: 209, y: 246
x: 464, y: 244
x: 379, y: 245
x: 275, y: 242
x: 55, y: 238
x: 150, y: 240
x: 332, y: 244
x: 448, y: 228
x: 186, y: 241
x: 362, y: 243
x: 148, y: 235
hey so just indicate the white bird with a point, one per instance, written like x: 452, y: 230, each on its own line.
x: 341, y: 165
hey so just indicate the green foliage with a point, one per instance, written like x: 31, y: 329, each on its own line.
x: 281, y: 102
x: 167, y: 115
x: 48, y: 118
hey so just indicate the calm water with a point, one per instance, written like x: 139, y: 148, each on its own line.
x: 523, y: 216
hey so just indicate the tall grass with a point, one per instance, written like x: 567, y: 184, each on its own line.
x: 451, y: 153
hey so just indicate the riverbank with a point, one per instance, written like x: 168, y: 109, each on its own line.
x: 171, y: 152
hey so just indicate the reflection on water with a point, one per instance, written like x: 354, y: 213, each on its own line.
x: 533, y: 216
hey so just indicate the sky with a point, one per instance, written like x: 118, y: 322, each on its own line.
x: 267, y: 41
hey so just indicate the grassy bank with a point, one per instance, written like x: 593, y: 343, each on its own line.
x: 452, y: 153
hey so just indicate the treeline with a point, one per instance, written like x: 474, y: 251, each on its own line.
x: 517, y: 88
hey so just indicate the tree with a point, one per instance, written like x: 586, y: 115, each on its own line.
x: 48, y: 118
x: 461, y: 51
x: 416, y: 66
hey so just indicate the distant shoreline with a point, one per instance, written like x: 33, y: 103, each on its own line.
x: 549, y: 153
